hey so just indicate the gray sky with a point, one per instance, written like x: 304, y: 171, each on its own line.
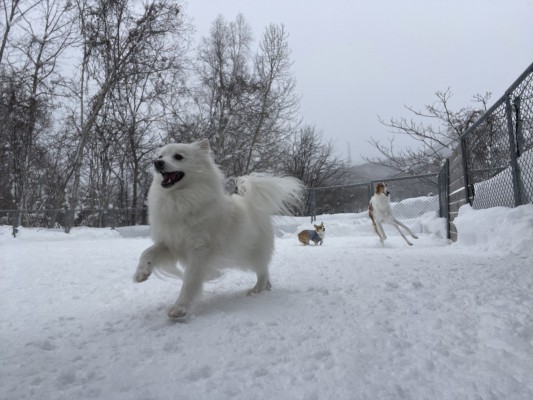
x: 357, y: 59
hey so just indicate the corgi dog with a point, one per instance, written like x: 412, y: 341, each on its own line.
x: 317, y: 236
x: 380, y: 211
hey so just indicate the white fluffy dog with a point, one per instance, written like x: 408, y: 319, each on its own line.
x: 195, y: 223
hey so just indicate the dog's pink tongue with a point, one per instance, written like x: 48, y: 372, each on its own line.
x: 167, y: 177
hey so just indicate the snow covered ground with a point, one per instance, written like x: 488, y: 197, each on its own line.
x: 346, y: 320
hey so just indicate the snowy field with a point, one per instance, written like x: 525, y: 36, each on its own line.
x: 346, y: 320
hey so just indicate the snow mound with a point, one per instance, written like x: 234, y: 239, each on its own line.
x: 82, y: 233
x: 499, y: 229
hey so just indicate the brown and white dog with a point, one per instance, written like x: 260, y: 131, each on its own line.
x: 317, y: 236
x: 379, y: 211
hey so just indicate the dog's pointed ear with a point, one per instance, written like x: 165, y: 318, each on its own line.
x: 204, y: 144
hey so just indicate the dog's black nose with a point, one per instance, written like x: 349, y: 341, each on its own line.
x: 159, y: 164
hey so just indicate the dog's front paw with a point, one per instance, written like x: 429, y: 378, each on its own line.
x: 258, y: 288
x: 177, y: 312
x: 141, y: 275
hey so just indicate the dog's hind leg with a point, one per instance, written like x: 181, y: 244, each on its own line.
x: 405, y: 227
x: 302, y: 239
x: 156, y: 254
x: 397, y: 226
x: 260, y: 266
x: 263, y: 283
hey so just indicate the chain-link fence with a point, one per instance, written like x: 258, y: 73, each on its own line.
x: 353, y: 199
x: 348, y: 199
x: 498, y: 150
x: 337, y: 199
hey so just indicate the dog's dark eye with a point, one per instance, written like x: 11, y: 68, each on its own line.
x: 178, y: 157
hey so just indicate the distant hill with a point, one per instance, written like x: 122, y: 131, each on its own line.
x: 367, y: 172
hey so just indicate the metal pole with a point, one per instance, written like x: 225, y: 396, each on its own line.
x: 16, y: 222
x: 517, y: 103
x: 444, y: 195
x: 312, y: 201
x: 515, y: 170
x: 465, y: 169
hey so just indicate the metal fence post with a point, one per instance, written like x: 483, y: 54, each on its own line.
x: 464, y: 157
x: 144, y: 220
x: 312, y: 205
x: 444, y: 194
x: 515, y: 170
x: 69, y: 219
x: 16, y: 222
x: 517, y: 104
x: 112, y: 217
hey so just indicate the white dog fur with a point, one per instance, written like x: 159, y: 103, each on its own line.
x: 379, y: 211
x: 195, y: 223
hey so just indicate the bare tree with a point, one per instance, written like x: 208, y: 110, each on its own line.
x: 244, y: 104
x: 276, y: 104
x: 32, y: 64
x: 115, y: 37
x: 128, y: 125
x: 220, y: 99
x: 309, y: 158
x: 12, y: 13
x: 436, y: 139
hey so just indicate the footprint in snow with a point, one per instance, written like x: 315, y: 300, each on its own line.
x: 199, y: 373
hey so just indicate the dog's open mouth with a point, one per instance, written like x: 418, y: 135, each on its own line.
x: 170, y: 178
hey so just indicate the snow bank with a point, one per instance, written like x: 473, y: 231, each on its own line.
x: 499, y: 229
x: 134, y: 231
x: 82, y: 233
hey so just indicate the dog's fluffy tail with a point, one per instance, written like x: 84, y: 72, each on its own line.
x: 271, y: 194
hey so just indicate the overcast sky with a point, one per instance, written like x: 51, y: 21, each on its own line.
x: 357, y: 59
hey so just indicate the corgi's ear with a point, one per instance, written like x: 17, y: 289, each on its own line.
x: 316, y: 226
x: 204, y: 144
